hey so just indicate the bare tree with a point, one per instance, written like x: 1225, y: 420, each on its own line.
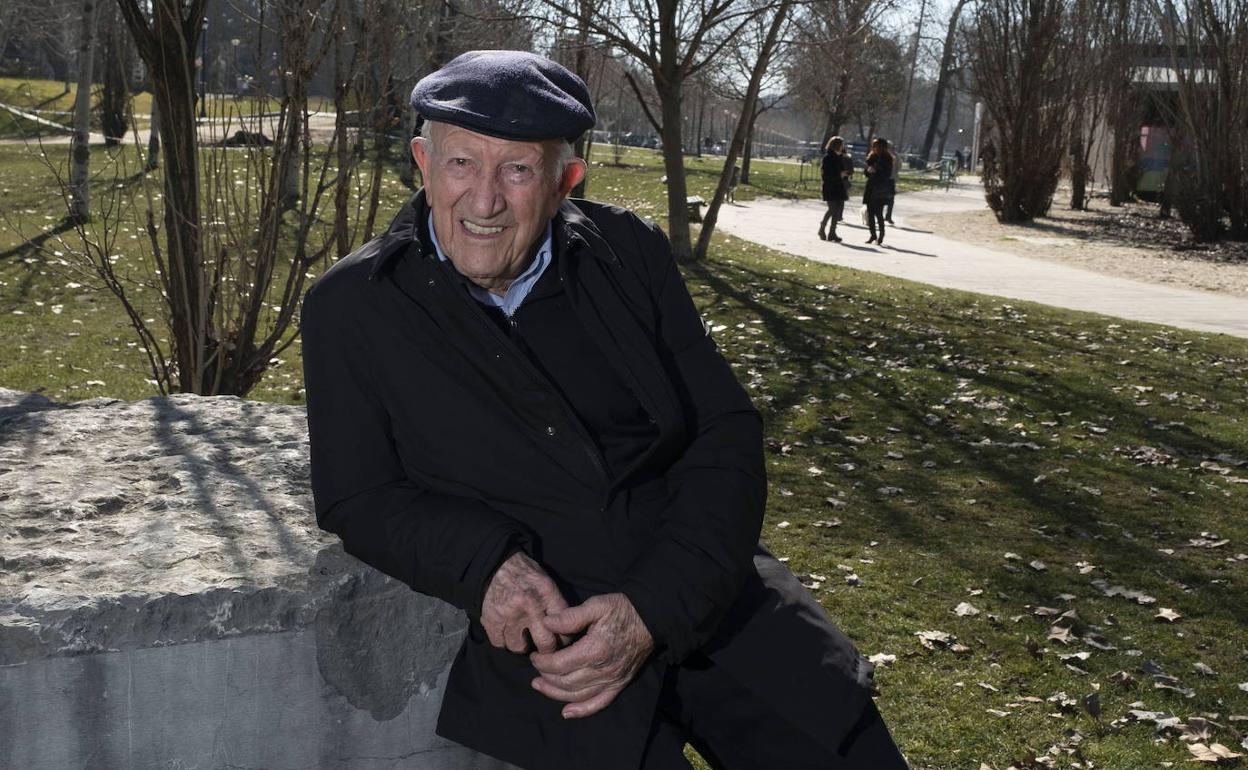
x: 152, y: 161
x: 826, y: 70
x: 764, y: 50
x: 80, y: 146
x: 166, y: 41
x: 944, y: 72
x: 229, y: 291
x: 44, y: 33
x: 671, y: 40
x: 1126, y: 28
x: 115, y: 99
x: 1023, y: 66
x: 581, y: 52
x: 878, y: 82
x: 1207, y: 43
x: 1093, y: 59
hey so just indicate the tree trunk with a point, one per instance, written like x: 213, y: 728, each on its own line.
x: 342, y: 190
x: 1078, y: 176
x: 153, y: 139
x: 914, y: 63
x: 385, y: 40
x: 744, y: 121
x: 747, y: 154
x: 80, y: 152
x: 674, y: 166
x: 581, y: 67
x: 168, y: 48
x: 698, y: 134
x: 1122, y: 164
x: 292, y: 142
x: 115, y: 103
x: 942, y: 79
x: 836, y: 117
x: 407, y: 164
x: 951, y: 111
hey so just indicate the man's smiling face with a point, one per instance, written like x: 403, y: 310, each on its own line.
x: 491, y: 199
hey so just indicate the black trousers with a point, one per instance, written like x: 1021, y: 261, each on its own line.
x: 732, y: 730
x: 875, y: 218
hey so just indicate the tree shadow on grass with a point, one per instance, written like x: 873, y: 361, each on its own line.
x: 1069, y: 518
x: 32, y: 246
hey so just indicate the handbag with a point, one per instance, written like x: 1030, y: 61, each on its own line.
x: 862, y: 214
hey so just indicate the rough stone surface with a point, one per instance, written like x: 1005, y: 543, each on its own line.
x: 129, y: 528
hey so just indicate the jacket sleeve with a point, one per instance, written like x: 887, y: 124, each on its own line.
x: 441, y: 545
x: 683, y: 584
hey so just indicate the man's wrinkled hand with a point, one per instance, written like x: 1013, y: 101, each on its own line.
x: 517, y: 601
x: 588, y: 674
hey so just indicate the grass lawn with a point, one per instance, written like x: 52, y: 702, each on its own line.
x: 1035, y: 519
x: 51, y: 101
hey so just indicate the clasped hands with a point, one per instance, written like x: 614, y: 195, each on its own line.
x: 585, y: 655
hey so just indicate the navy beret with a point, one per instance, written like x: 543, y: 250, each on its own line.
x: 507, y: 94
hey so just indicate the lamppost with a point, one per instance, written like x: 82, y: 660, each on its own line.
x: 234, y: 43
x: 979, y: 118
x: 203, y: 69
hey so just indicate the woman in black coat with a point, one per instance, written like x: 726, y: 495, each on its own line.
x: 880, y: 187
x: 837, y: 169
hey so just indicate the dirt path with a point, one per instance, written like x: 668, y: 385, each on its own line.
x: 1129, y: 267
x: 1128, y: 242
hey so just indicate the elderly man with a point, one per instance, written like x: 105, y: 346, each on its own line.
x: 515, y: 407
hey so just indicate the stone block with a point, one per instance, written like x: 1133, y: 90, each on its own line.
x: 167, y: 601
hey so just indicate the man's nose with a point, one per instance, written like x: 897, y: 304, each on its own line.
x: 486, y: 197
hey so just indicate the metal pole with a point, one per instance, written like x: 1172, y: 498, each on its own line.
x: 979, y: 116
x: 203, y: 70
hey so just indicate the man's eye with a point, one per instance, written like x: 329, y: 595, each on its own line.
x: 518, y: 172
x: 460, y: 162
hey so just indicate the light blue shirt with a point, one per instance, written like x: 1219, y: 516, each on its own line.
x: 519, y: 288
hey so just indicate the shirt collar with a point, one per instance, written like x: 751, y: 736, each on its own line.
x: 519, y: 288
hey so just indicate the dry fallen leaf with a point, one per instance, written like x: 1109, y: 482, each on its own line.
x: 1195, y: 731
x: 882, y: 659
x: 1213, y: 753
x: 1167, y: 614
x: 1139, y: 597
x: 965, y: 609
x: 1060, y: 634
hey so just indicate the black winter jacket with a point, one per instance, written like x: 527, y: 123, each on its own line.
x: 438, y: 449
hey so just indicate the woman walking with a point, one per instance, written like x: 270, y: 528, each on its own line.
x: 880, y: 188
x: 837, y: 167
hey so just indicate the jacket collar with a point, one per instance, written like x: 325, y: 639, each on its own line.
x: 574, y: 229
x: 571, y: 229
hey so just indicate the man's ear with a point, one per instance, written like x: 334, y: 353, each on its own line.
x: 573, y: 173
x: 420, y: 154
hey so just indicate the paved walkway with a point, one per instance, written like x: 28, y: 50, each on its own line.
x: 792, y: 226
